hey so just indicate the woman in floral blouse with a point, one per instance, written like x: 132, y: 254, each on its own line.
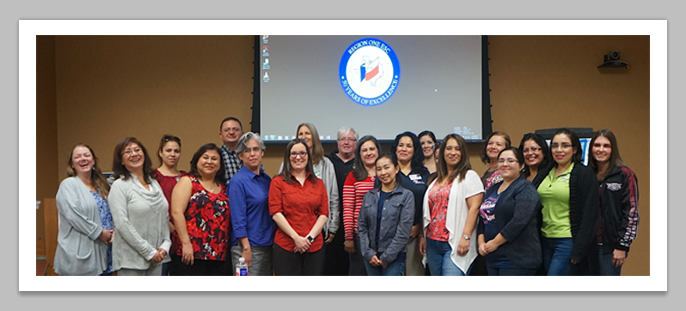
x: 200, y: 210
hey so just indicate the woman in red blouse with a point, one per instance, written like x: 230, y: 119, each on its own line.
x: 200, y: 209
x: 167, y: 176
x: 299, y: 205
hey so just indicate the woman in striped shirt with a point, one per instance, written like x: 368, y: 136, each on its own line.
x: 358, y: 182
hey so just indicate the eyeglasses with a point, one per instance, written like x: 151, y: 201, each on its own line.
x: 533, y: 149
x: 563, y: 145
x: 348, y: 139
x: 128, y: 152
x: 302, y: 154
x: 508, y: 160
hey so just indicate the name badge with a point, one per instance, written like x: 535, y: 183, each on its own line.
x: 416, y: 178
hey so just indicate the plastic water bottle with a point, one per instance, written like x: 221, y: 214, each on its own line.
x: 241, y: 267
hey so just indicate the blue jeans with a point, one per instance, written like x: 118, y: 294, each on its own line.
x: 395, y: 269
x: 438, y: 256
x: 605, y: 264
x: 556, y: 252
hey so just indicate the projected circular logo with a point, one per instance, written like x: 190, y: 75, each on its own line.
x: 369, y: 72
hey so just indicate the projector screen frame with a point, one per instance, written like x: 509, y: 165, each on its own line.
x: 486, y: 122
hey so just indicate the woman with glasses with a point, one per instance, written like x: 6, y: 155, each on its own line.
x: 427, y: 140
x: 167, y: 175
x: 618, y: 203
x: 252, y: 227
x: 507, y: 230
x: 299, y: 205
x: 200, y: 210
x: 357, y: 184
x: 537, y: 158
x: 140, y: 213
x: 569, y: 194
x: 85, y: 228
x: 450, y: 211
x: 323, y: 169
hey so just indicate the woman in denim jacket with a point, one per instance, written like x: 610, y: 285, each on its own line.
x: 385, y: 221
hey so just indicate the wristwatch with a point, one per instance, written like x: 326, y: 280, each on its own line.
x: 466, y: 237
x: 310, y: 238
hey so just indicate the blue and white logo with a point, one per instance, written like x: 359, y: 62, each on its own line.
x: 369, y: 72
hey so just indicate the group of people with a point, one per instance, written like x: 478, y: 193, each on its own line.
x: 416, y: 210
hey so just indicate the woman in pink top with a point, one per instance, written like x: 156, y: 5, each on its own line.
x: 358, y: 182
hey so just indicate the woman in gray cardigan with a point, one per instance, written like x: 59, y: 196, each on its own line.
x: 85, y: 227
x: 507, y: 229
x: 139, y: 208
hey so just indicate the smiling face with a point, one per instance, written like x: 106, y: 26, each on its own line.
x: 230, y: 132
x: 252, y: 155
x: 405, y: 150
x: 170, y: 153
x: 562, y: 150
x: 82, y: 161
x: 298, y: 157
x: 508, y: 165
x: 495, y: 145
x: 133, y: 158
x: 305, y: 134
x: 347, y: 143
x: 601, y: 149
x: 386, y: 171
x: 369, y: 153
x: 533, y: 156
x: 427, y: 145
x: 208, y: 163
x: 452, y: 154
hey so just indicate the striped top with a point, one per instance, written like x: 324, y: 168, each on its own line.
x: 353, y: 194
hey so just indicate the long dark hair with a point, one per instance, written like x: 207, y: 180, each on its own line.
x: 545, y: 151
x: 317, y: 152
x: 288, y: 169
x: 219, y: 177
x: 360, y: 172
x: 615, y: 158
x: 98, y: 180
x: 417, y: 162
x: 462, y: 166
x: 118, y: 168
x: 430, y: 134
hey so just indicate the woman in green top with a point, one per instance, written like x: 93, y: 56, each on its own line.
x: 569, y: 195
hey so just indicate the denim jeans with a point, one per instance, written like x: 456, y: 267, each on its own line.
x: 605, y: 264
x: 395, y: 269
x: 438, y: 256
x: 556, y: 252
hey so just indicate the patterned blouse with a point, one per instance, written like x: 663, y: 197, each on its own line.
x: 207, y: 222
x: 106, y: 223
x: 438, y: 207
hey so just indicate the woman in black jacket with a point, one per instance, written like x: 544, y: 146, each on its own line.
x: 618, y: 203
x: 507, y: 231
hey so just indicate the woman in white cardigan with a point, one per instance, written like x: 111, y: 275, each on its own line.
x: 85, y: 226
x: 139, y: 208
x: 451, y: 207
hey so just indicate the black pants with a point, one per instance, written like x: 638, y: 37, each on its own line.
x: 336, y: 259
x: 201, y: 267
x: 289, y: 263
